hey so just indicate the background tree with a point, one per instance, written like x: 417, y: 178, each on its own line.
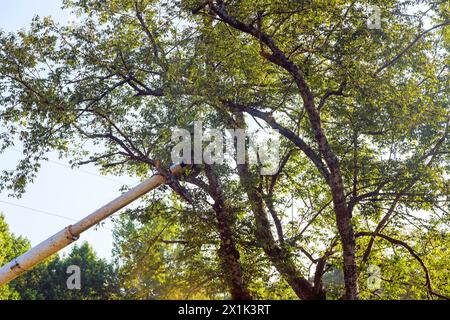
x: 10, y: 247
x: 48, y: 280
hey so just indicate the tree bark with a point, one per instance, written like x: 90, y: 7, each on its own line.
x: 228, y: 252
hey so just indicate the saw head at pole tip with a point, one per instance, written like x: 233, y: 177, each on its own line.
x: 177, y: 167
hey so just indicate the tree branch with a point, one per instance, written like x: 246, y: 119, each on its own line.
x: 409, y: 46
x: 302, y: 145
x: 412, y: 252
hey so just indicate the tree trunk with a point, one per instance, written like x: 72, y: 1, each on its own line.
x: 227, y: 251
x: 279, y: 256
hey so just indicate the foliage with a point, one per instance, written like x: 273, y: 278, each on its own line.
x: 48, y: 280
x: 11, y: 246
x: 363, y: 113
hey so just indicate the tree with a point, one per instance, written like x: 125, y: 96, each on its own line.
x: 363, y: 114
x: 10, y: 247
x: 48, y: 281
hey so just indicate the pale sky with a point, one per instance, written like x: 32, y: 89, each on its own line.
x: 58, y: 189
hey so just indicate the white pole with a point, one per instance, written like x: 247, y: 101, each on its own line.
x: 71, y: 233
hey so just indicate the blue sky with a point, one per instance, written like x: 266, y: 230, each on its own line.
x: 17, y: 14
x: 58, y: 189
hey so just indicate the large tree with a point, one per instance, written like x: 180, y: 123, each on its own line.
x: 363, y: 114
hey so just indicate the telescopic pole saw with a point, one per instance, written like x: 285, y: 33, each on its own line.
x: 63, y: 238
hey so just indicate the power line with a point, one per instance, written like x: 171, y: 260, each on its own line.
x: 81, y: 170
x: 38, y: 211
x: 86, y: 172
x: 72, y: 168
x: 44, y: 212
